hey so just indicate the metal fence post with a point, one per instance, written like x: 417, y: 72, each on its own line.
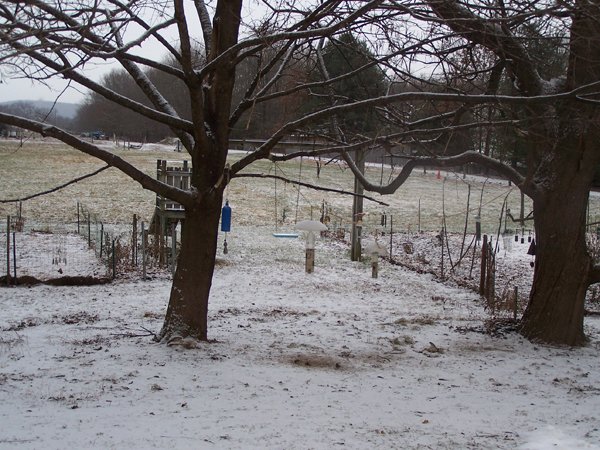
x: 114, y: 263
x: 8, y: 250
x: 101, y: 238
x: 143, y: 252
x: 14, y: 249
x: 134, y: 242
x: 391, y: 237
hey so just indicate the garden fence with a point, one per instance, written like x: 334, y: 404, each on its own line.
x: 86, y: 247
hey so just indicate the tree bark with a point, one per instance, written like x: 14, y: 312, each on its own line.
x: 562, y: 264
x: 562, y: 267
x: 187, y: 313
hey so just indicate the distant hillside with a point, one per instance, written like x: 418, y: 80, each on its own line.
x: 66, y: 110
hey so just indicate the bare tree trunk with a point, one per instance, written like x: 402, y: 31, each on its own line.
x: 188, y: 304
x: 357, y: 211
x: 562, y: 265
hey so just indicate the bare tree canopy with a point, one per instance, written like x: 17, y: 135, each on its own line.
x: 454, y: 77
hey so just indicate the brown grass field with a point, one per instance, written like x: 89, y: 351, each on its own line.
x: 41, y: 164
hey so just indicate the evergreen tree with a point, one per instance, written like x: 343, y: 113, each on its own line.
x: 350, y: 60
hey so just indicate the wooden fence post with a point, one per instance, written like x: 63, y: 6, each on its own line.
x: 516, y: 306
x: 114, y: 262
x: 442, y: 242
x: 173, y: 248
x: 484, y: 248
x: 489, y: 282
x: 101, y: 237
x: 419, y: 217
x: 391, y: 236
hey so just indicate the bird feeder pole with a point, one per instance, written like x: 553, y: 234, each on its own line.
x: 311, y: 227
x: 375, y: 250
x: 310, y: 252
x: 374, y: 265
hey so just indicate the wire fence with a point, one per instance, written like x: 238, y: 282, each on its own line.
x: 83, y: 250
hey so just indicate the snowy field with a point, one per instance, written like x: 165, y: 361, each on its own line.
x: 335, y: 359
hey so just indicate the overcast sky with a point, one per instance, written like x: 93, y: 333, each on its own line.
x: 11, y: 90
x: 23, y: 89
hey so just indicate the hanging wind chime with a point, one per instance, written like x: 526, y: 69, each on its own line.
x: 226, y: 214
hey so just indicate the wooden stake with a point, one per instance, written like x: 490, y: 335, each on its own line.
x: 310, y: 260
x: 419, y: 217
x: 464, y: 237
x: 516, y: 305
x: 442, y: 241
x: 391, y: 235
x: 374, y: 265
x: 484, y: 247
x: 114, y: 262
x: 8, y: 250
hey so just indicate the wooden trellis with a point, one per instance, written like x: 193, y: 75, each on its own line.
x: 169, y: 213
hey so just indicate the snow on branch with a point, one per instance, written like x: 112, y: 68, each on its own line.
x: 302, y: 30
x: 467, y: 157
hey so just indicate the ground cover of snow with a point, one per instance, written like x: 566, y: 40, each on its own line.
x: 326, y: 360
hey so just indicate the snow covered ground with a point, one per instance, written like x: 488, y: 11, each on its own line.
x: 47, y: 256
x: 335, y: 359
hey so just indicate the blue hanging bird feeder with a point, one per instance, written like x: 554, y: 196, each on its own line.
x: 226, y: 217
x: 225, y: 223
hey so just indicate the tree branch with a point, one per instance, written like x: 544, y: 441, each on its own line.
x: 264, y: 150
x: 307, y: 185
x: 205, y: 23
x: 495, y: 38
x: 57, y: 188
x: 467, y: 157
x: 147, y: 182
x: 289, y: 35
x: 111, y: 95
x: 153, y: 94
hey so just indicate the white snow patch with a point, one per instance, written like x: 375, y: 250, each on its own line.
x: 330, y: 359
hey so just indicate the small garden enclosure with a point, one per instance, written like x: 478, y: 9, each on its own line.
x: 168, y: 213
